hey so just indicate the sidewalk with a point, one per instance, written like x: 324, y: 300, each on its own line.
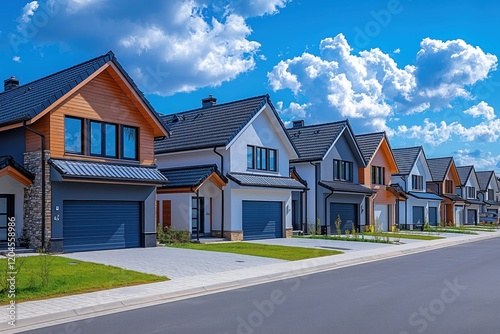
x: 87, y: 305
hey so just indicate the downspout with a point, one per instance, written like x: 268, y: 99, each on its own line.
x: 304, y: 197
x: 315, y: 195
x: 222, y: 192
x: 406, y: 202
x: 42, y: 137
x: 326, y: 200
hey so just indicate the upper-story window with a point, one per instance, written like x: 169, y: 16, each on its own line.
x: 418, y: 182
x: 261, y: 158
x: 73, y: 135
x: 342, y: 170
x: 449, y: 187
x: 471, y: 192
x: 88, y: 137
x: 378, y: 175
x: 491, y: 194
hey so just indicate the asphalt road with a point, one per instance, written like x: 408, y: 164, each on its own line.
x: 451, y: 290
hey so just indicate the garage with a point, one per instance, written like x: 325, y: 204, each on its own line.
x: 98, y: 225
x: 381, y: 212
x: 418, y: 217
x: 471, y: 217
x: 348, y: 215
x: 262, y: 220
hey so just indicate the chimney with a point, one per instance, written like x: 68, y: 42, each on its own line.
x: 208, y: 101
x: 10, y: 83
x: 298, y: 124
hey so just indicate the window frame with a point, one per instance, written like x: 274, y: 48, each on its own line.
x: 470, y: 192
x: 448, y: 186
x: 261, y: 158
x: 417, y: 182
x: 342, y: 170
x: 491, y: 191
x: 103, y: 138
x: 82, y: 132
x: 122, y: 142
x: 378, y: 175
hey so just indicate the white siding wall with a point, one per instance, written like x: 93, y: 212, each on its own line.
x: 307, y: 172
x: 9, y: 186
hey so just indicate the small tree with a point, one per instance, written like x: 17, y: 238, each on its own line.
x: 338, y: 225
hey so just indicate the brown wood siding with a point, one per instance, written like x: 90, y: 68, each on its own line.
x: 102, y: 99
x: 33, y: 141
x: 166, y: 213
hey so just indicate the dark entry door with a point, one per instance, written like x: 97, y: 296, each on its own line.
x: 6, y: 212
x: 471, y: 217
x: 195, y: 219
x: 433, y: 220
x: 418, y: 216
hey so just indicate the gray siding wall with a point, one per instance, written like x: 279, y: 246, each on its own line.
x: 13, y: 142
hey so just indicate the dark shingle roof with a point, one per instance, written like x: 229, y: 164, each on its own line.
x: 484, y: 178
x: 88, y: 170
x: 345, y: 187
x: 439, y: 167
x: 29, y: 100
x: 463, y: 173
x: 293, y: 170
x: 190, y: 176
x: 213, y: 126
x: 7, y: 160
x: 254, y: 180
x: 368, y: 144
x: 405, y: 158
x: 313, y: 141
x: 428, y: 196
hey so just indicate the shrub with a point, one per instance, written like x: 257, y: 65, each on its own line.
x: 338, y: 225
x: 170, y: 235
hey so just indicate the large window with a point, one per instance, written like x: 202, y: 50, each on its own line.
x: 73, y: 135
x: 342, y: 170
x: 417, y: 182
x: 491, y: 195
x: 129, y: 142
x: 378, y: 175
x: 261, y: 158
x: 471, y: 192
x: 103, y: 139
x: 88, y: 137
x: 449, y: 187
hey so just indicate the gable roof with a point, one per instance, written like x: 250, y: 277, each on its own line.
x: 406, y: 158
x: 24, y: 176
x: 439, y: 168
x: 483, y: 178
x: 190, y: 176
x: 213, y: 126
x: 368, y: 144
x: 463, y: 173
x: 25, y: 102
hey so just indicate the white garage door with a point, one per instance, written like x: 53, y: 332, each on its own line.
x: 382, y: 217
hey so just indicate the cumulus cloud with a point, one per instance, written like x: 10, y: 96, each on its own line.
x: 294, y: 111
x: 372, y: 88
x: 481, y: 109
x: 16, y: 59
x: 167, y: 46
x: 479, y: 159
x: 28, y: 11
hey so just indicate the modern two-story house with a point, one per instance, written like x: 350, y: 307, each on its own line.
x: 80, y: 170
x: 229, y: 170
x: 468, y: 189
x: 329, y: 161
x: 380, y: 165
x: 444, y: 179
x: 421, y: 206
x: 488, y: 188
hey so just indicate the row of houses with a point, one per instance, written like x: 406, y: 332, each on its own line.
x: 87, y: 163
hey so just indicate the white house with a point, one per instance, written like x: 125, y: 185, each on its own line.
x: 468, y: 189
x: 421, y: 206
x: 488, y: 188
x: 228, y: 165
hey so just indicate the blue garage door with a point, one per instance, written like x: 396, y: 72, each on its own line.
x: 261, y: 220
x: 97, y: 225
x: 347, y: 213
x: 471, y: 217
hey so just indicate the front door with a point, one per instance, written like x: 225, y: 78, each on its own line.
x: 6, y: 212
x: 197, y: 216
x: 433, y: 220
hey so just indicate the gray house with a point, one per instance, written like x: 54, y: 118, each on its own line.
x: 329, y: 158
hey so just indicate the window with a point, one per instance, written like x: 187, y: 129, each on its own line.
x: 103, y: 139
x: 261, y: 158
x: 129, y: 142
x: 342, y: 170
x: 73, y: 139
x: 471, y: 192
x: 417, y: 182
x: 378, y: 175
x: 449, y: 187
x: 491, y: 195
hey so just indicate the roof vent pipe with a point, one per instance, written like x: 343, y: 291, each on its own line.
x: 208, y: 101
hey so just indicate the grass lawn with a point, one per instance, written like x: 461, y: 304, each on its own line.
x: 380, y: 237
x: 359, y: 238
x: 272, y: 251
x: 450, y: 230
x: 66, y: 277
x: 405, y: 236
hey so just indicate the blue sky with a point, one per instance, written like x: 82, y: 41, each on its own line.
x: 424, y: 71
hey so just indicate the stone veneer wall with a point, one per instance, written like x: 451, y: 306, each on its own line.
x: 33, y: 200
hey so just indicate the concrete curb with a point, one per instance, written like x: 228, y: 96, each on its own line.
x: 117, y: 306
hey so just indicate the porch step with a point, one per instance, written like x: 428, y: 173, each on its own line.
x: 208, y: 240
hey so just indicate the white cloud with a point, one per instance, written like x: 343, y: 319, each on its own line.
x: 16, y: 59
x: 481, y: 109
x: 294, y: 110
x: 256, y: 7
x: 28, y: 11
x: 396, y: 51
x: 479, y: 159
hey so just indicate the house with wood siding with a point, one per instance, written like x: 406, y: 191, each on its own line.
x: 80, y: 146
x: 380, y: 165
